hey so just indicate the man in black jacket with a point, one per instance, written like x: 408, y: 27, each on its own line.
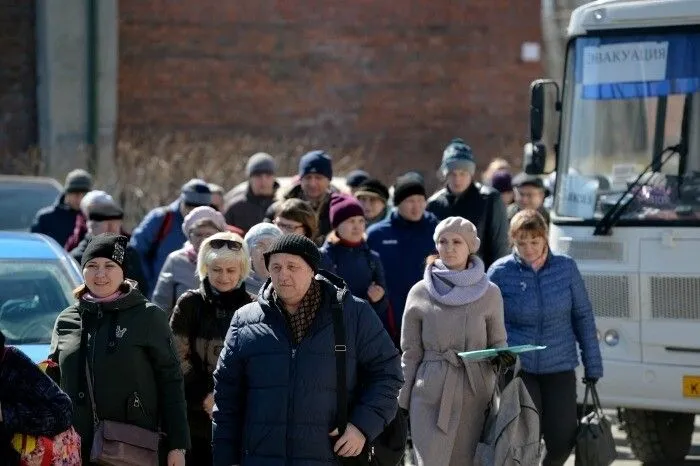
x: 464, y: 197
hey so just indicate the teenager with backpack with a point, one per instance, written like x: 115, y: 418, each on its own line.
x: 455, y: 308
x: 160, y: 232
x: 346, y: 253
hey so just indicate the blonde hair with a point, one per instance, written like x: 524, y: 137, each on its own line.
x: 528, y: 221
x: 207, y: 255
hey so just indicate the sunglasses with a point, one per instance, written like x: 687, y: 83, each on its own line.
x: 220, y: 243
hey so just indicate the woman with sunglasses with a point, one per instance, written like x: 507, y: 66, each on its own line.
x: 199, y: 322
x: 179, y: 272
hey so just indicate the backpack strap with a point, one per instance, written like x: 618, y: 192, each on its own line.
x: 340, y: 362
x: 163, y: 230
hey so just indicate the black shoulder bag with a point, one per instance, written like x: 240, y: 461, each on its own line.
x: 388, y: 448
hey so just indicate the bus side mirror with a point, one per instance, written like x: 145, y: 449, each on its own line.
x: 534, y: 158
x: 537, y: 102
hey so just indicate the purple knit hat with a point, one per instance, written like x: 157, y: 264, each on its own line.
x: 502, y: 181
x: 344, y: 207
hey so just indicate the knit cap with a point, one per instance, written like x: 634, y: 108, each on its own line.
x: 296, y: 245
x: 356, y: 177
x: 260, y: 163
x: 261, y: 231
x: 458, y: 155
x: 406, y: 186
x: 373, y: 188
x: 317, y: 161
x: 108, y: 246
x: 343, y: 207
x: 78, y: 181
x: 502, y: 181
x: 201, y: 214
x: 196, y: 192
x: 463, y: 228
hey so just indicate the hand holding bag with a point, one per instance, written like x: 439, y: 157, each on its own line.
x: 595, y: 445
x: 120, y: 444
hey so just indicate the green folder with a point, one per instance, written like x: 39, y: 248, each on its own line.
x: 491, y: 352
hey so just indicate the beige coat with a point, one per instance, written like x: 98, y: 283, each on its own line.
x: 446, y: 396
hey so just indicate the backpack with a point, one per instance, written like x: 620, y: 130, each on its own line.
x: 511, y: 433
x: 163, y: 230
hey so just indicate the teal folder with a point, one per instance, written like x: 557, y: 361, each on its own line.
x: 491, y: 352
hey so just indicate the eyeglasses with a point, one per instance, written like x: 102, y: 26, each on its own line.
x: 288, y: 227
x: 220, y: 243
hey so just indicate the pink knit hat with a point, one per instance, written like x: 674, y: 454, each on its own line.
x: 344, y: 207
x: 463, y: 228
x: 200, y: 214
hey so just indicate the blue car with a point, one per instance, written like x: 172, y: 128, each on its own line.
x: 37, y: 279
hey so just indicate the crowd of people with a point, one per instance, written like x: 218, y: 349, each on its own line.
x: 213, y: 322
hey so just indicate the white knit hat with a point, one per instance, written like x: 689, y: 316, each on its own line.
x: 463, y: 228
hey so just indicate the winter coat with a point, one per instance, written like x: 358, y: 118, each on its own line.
x: 30, y: 401
x: 152, y: 255
x: 56, y: 221
x: 359, y: 267
x: 549, y: 307
x: 136, y: 373
x: 323, y: 210
x: 244, y: 209
x: 201, y: 318
x: 276, y: 401
x: 445, y: 395
x: 403, y: 247
x: 133, y: 268
x: 178, y: 275
x: 481, y: 205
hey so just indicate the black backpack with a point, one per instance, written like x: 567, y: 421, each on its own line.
x: 388, y: 448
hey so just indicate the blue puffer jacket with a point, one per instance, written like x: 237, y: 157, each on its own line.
x: 403, y: 247
x: 549, y: 307
x: 359, y: 267
x: 276, y: 402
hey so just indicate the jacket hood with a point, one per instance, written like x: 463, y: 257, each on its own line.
x: 131, y: 298
x: 331, y: 285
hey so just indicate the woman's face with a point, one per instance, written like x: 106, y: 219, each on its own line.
x: 529, y: 247
x: 258, y: 259
x: 224, y: 274
x: 289, y: 226
x: 200, y: 233
x: 102, y: 277
x: 453, y: 250
x: 352, y: 229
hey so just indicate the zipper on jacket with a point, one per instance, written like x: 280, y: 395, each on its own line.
x: 541, y: 319
x: 93, y: 343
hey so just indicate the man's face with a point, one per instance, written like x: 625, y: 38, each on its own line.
x: 291, y: 277
x: 372, y: 206
x: 529, y: 197
x: 262, y: 184
x: 315, y: 186
x: 458, y: 180
x: 412, y: 208
x: 72, y: 200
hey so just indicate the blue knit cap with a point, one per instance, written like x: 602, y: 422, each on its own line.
x: 458, y: 155
x: 316, y: 161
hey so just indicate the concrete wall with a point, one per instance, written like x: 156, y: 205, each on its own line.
x: 63, y: 79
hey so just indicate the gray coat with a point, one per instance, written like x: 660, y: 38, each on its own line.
x: 178, y: 275
x: 447, y: 397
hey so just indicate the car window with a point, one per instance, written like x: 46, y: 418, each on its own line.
x: 19, y: 203
x: 32, y: 294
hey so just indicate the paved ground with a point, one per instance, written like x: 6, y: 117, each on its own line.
x: 624, y: 453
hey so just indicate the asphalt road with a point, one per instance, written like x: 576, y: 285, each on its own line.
x: 624, y: 454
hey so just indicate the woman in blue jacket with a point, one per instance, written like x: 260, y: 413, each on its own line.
x: 546, y: 303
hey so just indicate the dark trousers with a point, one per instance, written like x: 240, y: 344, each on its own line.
x: 200, y: 454
x: 555, y: 398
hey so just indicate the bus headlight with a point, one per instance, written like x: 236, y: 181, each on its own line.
x: 612, y: 338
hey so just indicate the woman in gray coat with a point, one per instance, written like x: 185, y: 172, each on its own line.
x: 454, y: 308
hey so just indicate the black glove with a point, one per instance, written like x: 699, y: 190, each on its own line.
x: 504, y: 359
x: 590, y: 381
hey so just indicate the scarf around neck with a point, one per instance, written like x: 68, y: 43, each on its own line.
x: 456, y: 287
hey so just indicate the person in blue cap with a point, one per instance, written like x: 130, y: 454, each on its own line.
x: 463, y: 197
x: 315, y: 175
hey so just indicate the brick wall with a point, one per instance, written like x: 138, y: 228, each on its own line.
x: 18, y: 126
x: 401, y: 77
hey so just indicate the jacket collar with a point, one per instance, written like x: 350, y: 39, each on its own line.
x: 225, y: 300
x: 398, y: 221
x: 132, y: 297
x: 522, y: 265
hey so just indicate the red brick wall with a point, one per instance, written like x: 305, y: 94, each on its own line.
x: 403, y: 77
x: 18, y: 129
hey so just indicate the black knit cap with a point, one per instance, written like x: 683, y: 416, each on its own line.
x: 406, y: 186
x: 373, y: 187
x: 296, y: 245
x: 107, y: 245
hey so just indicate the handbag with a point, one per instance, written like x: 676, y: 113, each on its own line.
x: 389, y: 447
x: 595, y: 445
x: 61, y: 450
x: 118, y: 443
